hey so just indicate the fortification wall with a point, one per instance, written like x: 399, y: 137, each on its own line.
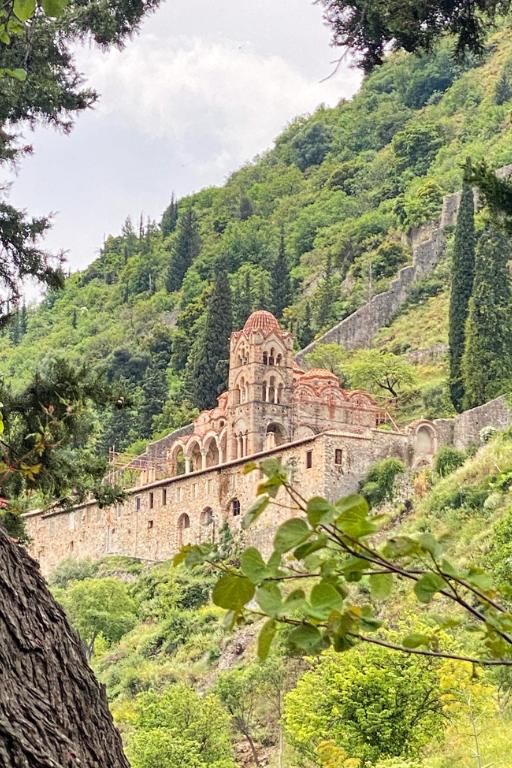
x: 427, y: 243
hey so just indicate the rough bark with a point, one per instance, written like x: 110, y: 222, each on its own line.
x: 53, y: 712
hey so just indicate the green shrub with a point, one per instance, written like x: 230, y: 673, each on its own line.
x: 448, y: 459
x: 72, y: 570
x: 501, y: 548
x: 379, y: 483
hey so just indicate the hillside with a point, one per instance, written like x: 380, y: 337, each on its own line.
x: 165, y: 654
x: 341, y: 186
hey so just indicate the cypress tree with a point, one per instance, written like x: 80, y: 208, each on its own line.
x: 169, y: 217
x: 463, y: 267
x: 23, y: 321
x: 245, y: 207
x: 209, y: 364
x: 503, y: 92
x: 326, y: 295
x: 306, y: 333
x: 487, y: 361
x: 281, y: 286
x: 184, y: 250
x: 244, y: 302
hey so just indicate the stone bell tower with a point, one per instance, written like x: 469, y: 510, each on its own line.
x: 260, y: 386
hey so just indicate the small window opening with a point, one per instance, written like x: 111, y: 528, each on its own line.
x: 137, y: 503
x: 338, y: 457
x: 309, y: 459
x: 150, y: 524
x: 235, y: 507
x: 151, y: 500
x: 164, y: 496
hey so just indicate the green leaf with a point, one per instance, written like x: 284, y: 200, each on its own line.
x: 250, y: 467
x: 270, y: 599
x: 232, y: 592
x: 307, y: 638
x: 427, y: 586
x: 255, y: 510
x: 381, y: 585
x: 353, y: 520
x: 265, y: 638
x: 323, y: 599
x: 415, y: 639
x: 291, y: 534
x: 253, y: 565
x: 24, y: 9
x: 320, y: 510
x: 302, y: 552
x: 400, y: 546
x: 295, y: 599
x: 429, y: 543
x: 54, y: 7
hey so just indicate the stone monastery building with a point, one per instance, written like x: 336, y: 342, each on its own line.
x: 187, y: 485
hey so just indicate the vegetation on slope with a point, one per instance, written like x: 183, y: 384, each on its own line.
x: 335, y: 199
x: 359, y: 709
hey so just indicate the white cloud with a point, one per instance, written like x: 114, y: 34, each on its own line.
x: 216, y: 103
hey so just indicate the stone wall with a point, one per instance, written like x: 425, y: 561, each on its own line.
x: 427, y: 243
x: 147, y: 524
x: 360, y: 327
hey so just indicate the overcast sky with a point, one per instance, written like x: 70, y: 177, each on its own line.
x: 206, y: 86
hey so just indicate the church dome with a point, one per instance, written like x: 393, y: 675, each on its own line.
x: 263, y: 322
x: 319, y: 373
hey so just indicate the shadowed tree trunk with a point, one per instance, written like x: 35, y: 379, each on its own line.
x: 53, y: 712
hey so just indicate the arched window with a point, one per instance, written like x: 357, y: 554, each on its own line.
x: 271, y: 358
x: 235, y: 507
x: 265, y: 358
x: 271, y: 392
x: 207, y: 516
x: 279, y: 359
x: 183, y: 529
x: 279, y: 393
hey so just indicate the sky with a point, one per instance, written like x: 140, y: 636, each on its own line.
x: 204, y: 88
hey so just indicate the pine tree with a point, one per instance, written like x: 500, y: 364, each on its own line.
x: 463, y: 267
x: 169, y: 217
x: 209, y: 358
x: 281, y: 286
x: 185, y: 249
x: 487, y: 361
x: 503, y: 92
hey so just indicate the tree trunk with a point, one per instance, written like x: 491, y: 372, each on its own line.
x: 53, y: 712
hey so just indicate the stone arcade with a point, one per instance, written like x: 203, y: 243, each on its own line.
x: 192, y: 481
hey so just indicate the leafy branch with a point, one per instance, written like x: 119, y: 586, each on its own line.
x: 332, y: 548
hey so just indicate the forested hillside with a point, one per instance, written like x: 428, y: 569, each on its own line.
x: 309, y: 230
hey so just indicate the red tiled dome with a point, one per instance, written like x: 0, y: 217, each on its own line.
x: 319, y: 373
x: 261, y: 321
